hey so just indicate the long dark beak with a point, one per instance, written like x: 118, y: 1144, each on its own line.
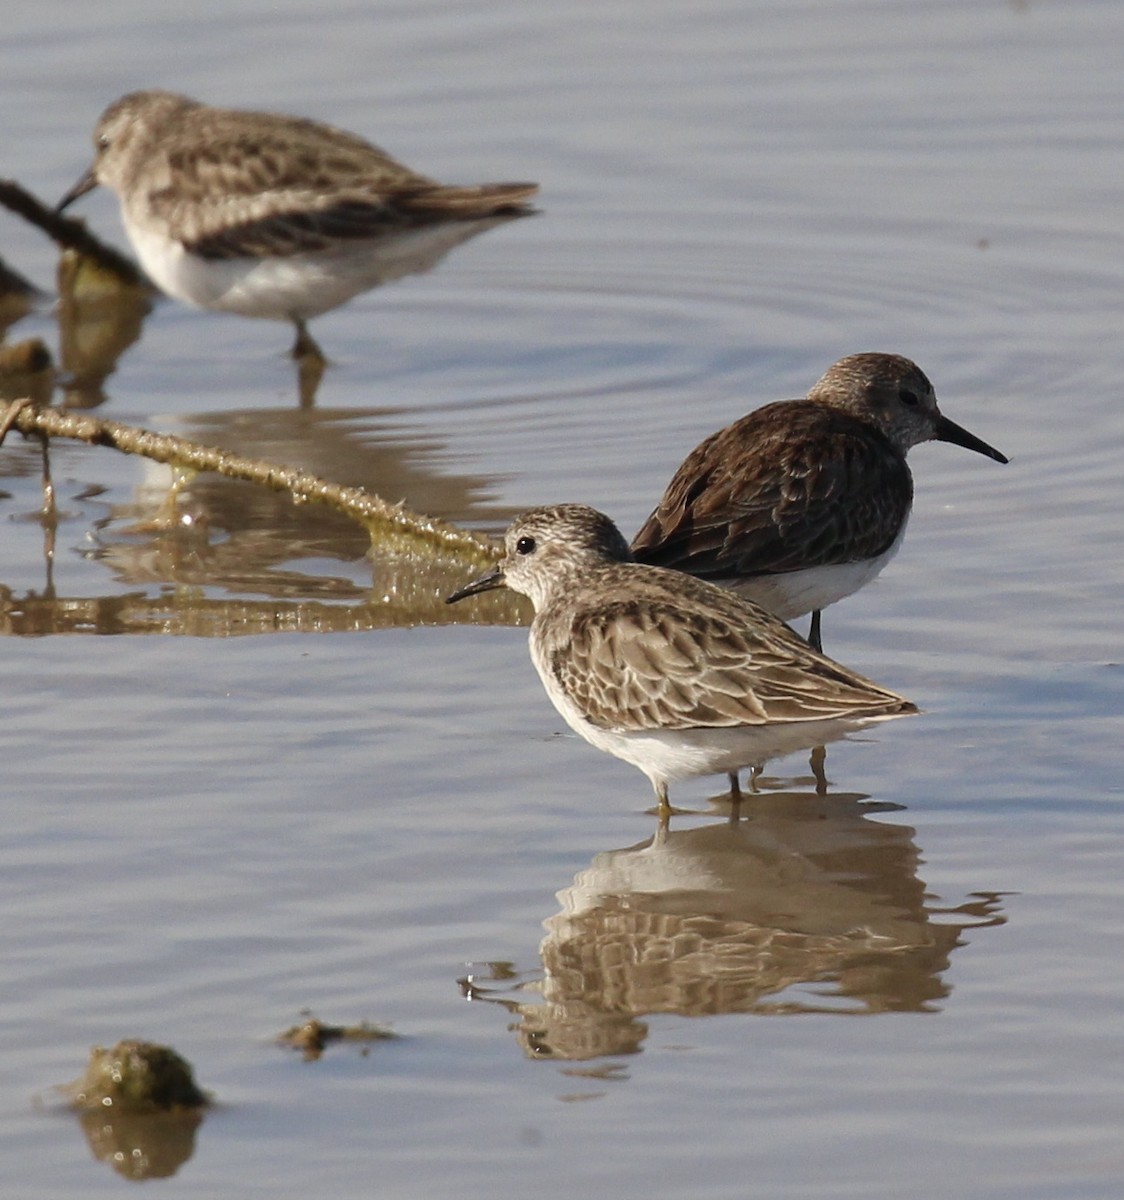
x: 486, y: 583
x: 87, y: 183
x: 949, y: 431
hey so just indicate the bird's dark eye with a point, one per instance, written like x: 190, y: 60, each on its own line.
x: 103, y: 142
x: 525, y: 545
x: 908, y: 398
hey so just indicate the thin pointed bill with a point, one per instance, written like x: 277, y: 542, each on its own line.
x: 949, y: 431
x: 486, y: 583
x: 87, y: 183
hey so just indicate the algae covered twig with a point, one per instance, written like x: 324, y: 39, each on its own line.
x: 382, y: 520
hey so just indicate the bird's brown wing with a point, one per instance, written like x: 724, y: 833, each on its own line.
x: 271, y: 185
x: 792, y: 485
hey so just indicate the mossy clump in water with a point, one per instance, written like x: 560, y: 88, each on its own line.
x: 136, y: 1077
x: 312, y: 1037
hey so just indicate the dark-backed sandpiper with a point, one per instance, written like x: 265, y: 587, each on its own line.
x: 803, y: 502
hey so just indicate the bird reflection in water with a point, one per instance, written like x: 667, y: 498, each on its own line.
x: 806, y: 905
x: 100, y: 315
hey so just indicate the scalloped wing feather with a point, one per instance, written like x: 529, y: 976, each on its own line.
x: 647, y: 665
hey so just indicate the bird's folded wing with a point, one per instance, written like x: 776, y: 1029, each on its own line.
x: 640, y: 666
x: 738, y: 507
x: 248, y: 192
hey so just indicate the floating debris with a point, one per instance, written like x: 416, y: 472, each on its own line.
x: 313, y: 1036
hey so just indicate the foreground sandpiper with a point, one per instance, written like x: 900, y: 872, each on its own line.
x: 675, y: 675
x: 274, y: 216
x: 803, y: 502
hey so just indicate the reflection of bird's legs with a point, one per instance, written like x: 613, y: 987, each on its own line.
x: 48, y: 483
x: 49, y: 511
x: 664, y: 804
x: 168, y: 514
x: 814, y: 639
x: 50, y: 518
x: 751, y: 780
x: 817, y: 761
x: 736, y: 793
x: 735, y: 798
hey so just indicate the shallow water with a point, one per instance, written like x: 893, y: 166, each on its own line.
x: 379, y: 819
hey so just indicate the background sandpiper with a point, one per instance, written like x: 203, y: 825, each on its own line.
x: 675, y: 675
x: 803, y: 502
x: 274, y: 216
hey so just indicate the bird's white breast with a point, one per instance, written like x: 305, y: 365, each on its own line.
x: 286, y: 287
x: 795, y: 593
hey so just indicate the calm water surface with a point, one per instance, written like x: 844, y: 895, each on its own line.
x: 375, y: 814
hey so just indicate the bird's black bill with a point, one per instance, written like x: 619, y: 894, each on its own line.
x: 486, y: 583
x: 949, y: 431
x: 87, y: 183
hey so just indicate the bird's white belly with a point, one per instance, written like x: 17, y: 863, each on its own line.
x: 287, y: 287
x: 798, y: 592
x: 670, y: 755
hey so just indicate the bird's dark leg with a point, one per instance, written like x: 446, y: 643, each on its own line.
x: 310, y: 362
x: 814, y: 639
x: 817, y: 762
x: 305, y: 345
x: 663, y: 804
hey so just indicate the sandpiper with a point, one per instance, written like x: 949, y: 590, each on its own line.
x: 803, y: 502
x: 274, y: 216
x: 675, y: 675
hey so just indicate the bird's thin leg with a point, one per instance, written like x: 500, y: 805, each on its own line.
x: 817, y: 762
x: 310, y: 362
x: 305, y: 346
x: 814, y: 639
x: 663, y: 804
